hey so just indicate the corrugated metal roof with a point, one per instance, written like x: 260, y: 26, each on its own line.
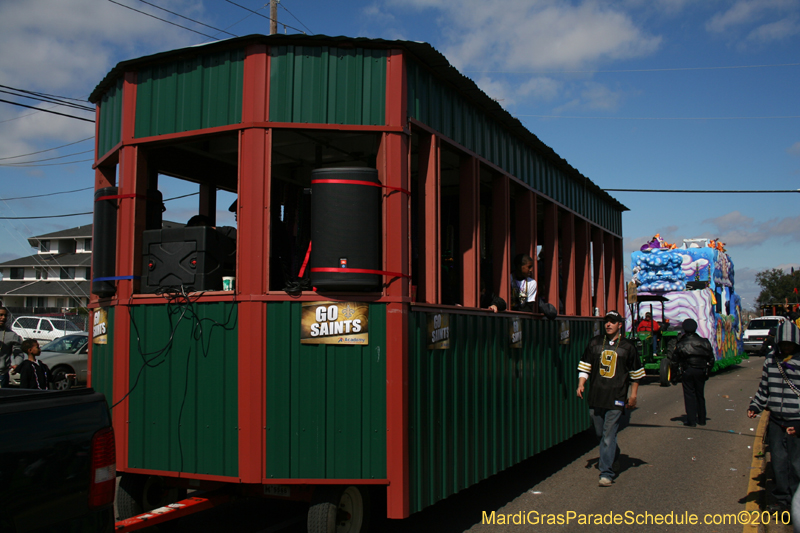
x: 423, y: 52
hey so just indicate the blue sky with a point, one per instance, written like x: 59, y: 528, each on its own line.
x: 653, y: 94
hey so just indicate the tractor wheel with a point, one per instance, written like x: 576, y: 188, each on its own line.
x: 338, y: 510
x: 665, y: 372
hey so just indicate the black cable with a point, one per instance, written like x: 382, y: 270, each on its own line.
x: 187, y: 18
x: 295, y: 18
x: 49, y: 216
x: 82, y: 100
x: 22, y: 163
x: 47, y: 110
x: 48, y: 101
x: 48, y: 150
x: 164, y: 20
x: 43, y: 195
x: 61, y: 100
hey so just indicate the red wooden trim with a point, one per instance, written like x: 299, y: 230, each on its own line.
x: 568, y: 263
x: 259, y: 125
x: 582, y: 273
x: 252, y: 278
x: 428, y: 226
x: 181, y: 475
x: 469, y: 234
x: 610, y: 264
x: 397, y: 494
x: 618, y: 272
x: 550, y: 253
x: 128, y: 106
x: 598, y: 243
x: 326, y: 481
x: 442, y: 138
x: 96, y: 131
x: 109, y: 158
x: 501, y: 235
x: 396, y: 90
x: 254, y: 93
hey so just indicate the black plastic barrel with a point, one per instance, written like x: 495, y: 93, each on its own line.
x: 104, y: 242
x: 345, y: 229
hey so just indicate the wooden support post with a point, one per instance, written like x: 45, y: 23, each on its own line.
x: 469, y: 232
x: 429, y: 290
x: 550, y: 253
x: 252, y: 272
x: 567, y: 266
x: 598, y: 242
x: 501, y: 240
x: 583, y: 279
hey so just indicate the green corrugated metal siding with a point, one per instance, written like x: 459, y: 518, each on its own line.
x: 325, y: 85
x: 204, y: 91
x: 103, y: 362
x: 480, y: 407
x: 326, y: 404
x: 189, y: 389
x: 446, y: 111
x: 110, y: 130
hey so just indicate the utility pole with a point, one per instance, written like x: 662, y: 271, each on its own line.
x: 273, y: 17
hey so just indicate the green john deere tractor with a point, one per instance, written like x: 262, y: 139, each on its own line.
x: 656, y: 349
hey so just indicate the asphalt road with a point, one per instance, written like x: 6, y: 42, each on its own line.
x: 666, y: 468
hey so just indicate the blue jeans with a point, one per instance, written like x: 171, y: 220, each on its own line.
x: 785, y: 455
x: 606, y: 424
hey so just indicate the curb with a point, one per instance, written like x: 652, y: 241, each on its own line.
x: 757, y: 468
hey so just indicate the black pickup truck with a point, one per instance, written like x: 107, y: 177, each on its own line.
x: 57, y: 462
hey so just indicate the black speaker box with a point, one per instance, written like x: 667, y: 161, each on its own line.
x: 196, y: 257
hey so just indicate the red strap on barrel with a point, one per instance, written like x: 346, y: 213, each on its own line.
x: 305, y: 262
x: 117, y: 196
x: 359, y: 182
x: 360, y: 271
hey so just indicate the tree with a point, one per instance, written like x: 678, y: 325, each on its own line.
x: 777, y: 286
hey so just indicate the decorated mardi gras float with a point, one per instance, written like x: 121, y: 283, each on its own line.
x: 675, y: 282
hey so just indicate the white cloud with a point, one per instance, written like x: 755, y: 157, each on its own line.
x: 746, y: 12
x: 536, y: 34
x: 775, y: 31
x: 732, y: 221
x: 66, y: 48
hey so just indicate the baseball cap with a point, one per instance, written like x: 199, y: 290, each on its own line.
x: 613, y: 316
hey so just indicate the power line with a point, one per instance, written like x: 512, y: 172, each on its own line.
x: 42, y: 97
x: 164, y: 20
x: 262, y: 16
x: 71, y: 214
x: 618, y: 71
x: 703, y: 191
x: 189, y: 19
x: 21, y: 165
x: 49, y: 149
x: 43, y: 195
x: 659, y: 118
x: 48, y: 216
x: 24, y: 163
x: 47, y: 110
x: 295, y: 18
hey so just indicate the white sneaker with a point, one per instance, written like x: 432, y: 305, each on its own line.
x: 605, y: 482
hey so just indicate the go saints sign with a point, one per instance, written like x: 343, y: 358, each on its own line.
x: 334, y: 323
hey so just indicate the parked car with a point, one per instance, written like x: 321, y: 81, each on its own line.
x: 66, y: 355
x: 43, y: 328
x: 757, y: 331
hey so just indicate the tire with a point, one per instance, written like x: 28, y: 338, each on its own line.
x: 139, y: 494
x: 60, y: 381
x: 336, y: 509
x: 665, y: 372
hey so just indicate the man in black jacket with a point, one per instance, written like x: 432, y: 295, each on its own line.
x: 695, y: 356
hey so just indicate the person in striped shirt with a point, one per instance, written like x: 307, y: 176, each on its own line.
x: 610, y: 364
x: 779, y: 392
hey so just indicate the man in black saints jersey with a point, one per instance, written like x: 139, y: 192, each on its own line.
x: 610, y: 363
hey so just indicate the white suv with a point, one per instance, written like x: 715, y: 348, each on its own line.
x: 42, y: 328
x: 757, y: 331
